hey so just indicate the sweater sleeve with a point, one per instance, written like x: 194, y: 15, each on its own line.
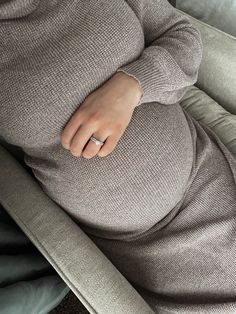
x: 170, y: 60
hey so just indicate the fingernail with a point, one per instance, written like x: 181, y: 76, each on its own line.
x: 66, y: 146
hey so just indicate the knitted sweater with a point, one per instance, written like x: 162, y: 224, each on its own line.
x: 55, y: 53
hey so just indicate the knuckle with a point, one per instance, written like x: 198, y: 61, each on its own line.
x: 119, y: 126
x: 79, y: 114
x: 94, y: 119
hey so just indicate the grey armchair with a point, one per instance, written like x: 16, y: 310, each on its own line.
x: 84, y: 269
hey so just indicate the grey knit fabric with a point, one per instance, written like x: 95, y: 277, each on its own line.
x: 162, y: 205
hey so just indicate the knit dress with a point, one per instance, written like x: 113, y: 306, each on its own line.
x: 162, y: 205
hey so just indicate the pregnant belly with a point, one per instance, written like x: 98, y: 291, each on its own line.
x: 134, y: 187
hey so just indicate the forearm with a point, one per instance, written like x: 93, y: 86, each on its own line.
x: 172, y: 55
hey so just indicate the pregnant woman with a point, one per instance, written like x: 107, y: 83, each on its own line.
x: 90, y: 91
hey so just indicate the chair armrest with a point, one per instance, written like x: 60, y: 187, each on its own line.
x: 96, y: 282
x: 217, y: 72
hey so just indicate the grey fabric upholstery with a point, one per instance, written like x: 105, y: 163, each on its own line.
x: 218, y: 67
x: 205, y: 109
x: 220, y: 14
x: 75, y: 257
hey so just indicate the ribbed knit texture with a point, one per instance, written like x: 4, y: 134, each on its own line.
x: 162, y: 205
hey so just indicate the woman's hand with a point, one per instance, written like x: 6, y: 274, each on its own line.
x: 105, y: 114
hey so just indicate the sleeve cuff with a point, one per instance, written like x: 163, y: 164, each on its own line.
x: 145, y: 72
x: 160, y: 77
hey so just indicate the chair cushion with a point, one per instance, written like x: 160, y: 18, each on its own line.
x: 220, y: 14
x: 204, y: 109
x: 218, y: 67
x: 75, y: 257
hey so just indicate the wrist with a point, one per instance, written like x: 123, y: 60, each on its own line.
x: 135, y: 82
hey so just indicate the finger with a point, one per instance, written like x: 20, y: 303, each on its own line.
x: 91, y: 148
x: 109, y: 145
x: 80, y: 139
x: 71, y: 128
